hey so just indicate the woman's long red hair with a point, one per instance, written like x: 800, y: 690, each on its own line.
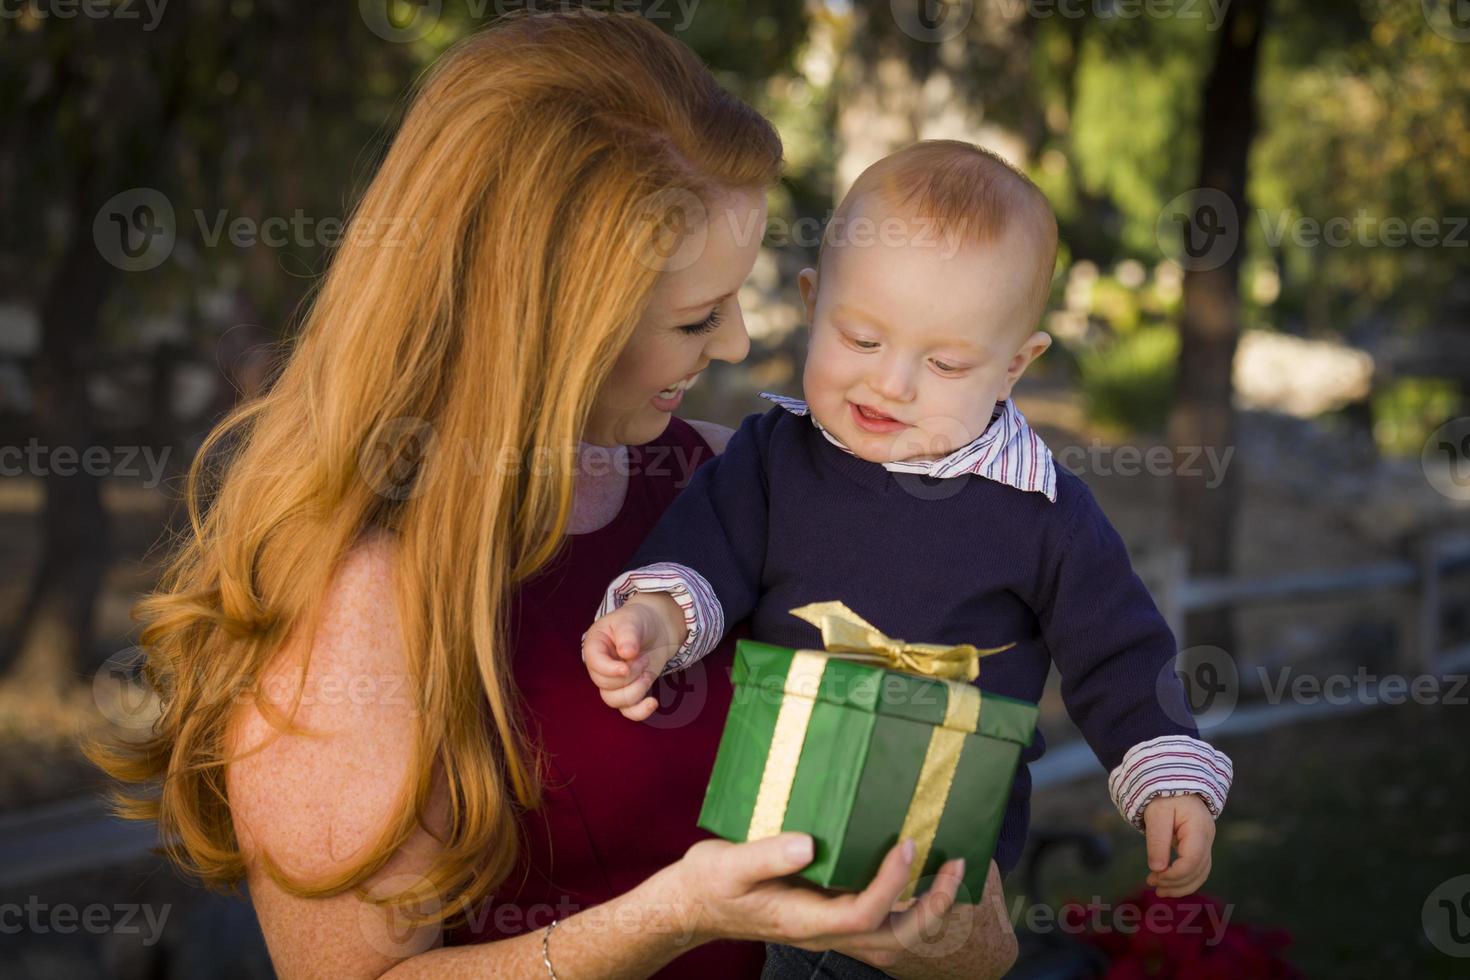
x: 428, y: 362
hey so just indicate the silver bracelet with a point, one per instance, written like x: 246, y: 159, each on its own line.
x: 546, y: 949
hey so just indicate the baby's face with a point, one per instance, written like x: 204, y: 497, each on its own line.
x: 925, y: 333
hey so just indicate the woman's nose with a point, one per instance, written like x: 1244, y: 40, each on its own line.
x: 729, y: 342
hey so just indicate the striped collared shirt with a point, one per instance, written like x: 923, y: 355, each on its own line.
x: 1008, y: 451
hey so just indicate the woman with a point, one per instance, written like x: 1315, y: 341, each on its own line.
x: 366, y: 650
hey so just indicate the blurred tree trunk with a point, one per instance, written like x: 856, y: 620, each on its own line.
x: 55, y: 625
x: 54, y: 632
x: 1202, y: 415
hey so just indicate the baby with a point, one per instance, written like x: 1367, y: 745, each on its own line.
x: 909, y: 487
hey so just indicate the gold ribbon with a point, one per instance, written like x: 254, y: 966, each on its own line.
x: 795, y: 713
x: 847, y: 635
x: 936, y: 775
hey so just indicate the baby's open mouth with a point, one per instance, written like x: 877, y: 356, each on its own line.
x: 872, y: 420
x: 870, y: 413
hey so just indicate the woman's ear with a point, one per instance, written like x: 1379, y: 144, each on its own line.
x: 808, y: 283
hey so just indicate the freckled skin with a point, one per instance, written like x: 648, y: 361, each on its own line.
x: 313, y: 803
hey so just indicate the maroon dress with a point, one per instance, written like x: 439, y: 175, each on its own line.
x: 620, y: 797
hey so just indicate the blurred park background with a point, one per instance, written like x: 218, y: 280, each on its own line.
x: 1261, y: 365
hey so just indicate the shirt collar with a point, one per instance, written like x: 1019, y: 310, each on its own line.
x: 1009, y: 451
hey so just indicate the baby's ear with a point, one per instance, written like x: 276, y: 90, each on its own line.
x: 1035, y: 345
x: 1031, y: 348
x: 807, y: 281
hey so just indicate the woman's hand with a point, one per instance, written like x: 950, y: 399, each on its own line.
x: 741, y: 891
x: 969, y: 941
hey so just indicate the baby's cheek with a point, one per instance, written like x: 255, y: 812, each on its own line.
x: 825, y: 393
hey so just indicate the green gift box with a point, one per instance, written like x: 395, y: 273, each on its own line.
x: 857, y: 755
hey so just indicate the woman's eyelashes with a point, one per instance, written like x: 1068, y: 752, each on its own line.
x: 703, y: 326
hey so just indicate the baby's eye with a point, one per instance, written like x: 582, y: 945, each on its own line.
x: 947, y: 367
x: 865, y: 344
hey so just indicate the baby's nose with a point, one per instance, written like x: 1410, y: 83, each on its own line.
x: 894, y: 381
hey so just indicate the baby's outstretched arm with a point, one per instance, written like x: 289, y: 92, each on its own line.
x: 627, y: 649
x: 1117, y: 655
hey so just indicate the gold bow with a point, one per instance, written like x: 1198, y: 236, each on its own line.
x: 846, y: 634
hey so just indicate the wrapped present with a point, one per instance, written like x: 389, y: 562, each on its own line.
x: 864, y: 743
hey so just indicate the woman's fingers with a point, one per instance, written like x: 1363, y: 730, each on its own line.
x: 814, y: 920
x: 868, y: 910
x: 753, y: 862
x: 915, y: 926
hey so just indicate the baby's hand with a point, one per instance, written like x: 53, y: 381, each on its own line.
x: 626, y: 650
x: 1182, y: 821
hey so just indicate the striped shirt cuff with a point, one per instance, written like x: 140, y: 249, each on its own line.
x: 703, y: 615
x: 1170, y: 765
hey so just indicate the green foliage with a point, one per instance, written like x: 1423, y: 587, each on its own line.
x: 1128, y: 381
x: 1134, y: 129
x: 1407, y: 410
x: 1369, y: 134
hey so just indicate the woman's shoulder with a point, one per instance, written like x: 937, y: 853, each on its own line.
x: 714, y: 434
x: 316, y: 798
x: 761, y: 427
x: 318, y: 802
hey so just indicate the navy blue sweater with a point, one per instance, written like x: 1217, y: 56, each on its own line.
x: 783, y: 518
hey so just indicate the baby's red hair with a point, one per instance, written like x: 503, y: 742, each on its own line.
x: 969, y: 194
